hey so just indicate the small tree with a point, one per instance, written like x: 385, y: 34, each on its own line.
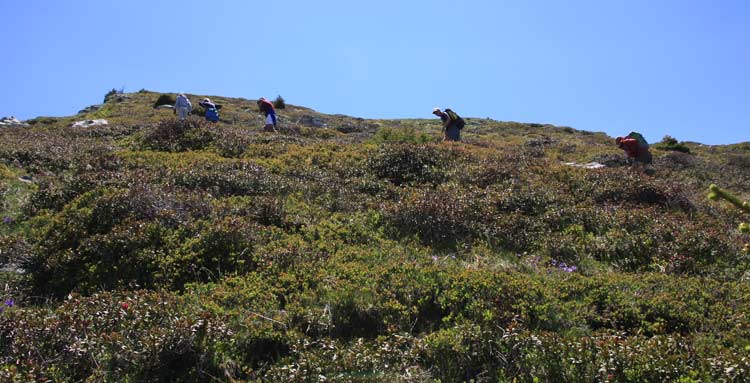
x: 113, y: 92
x: 671, y: 143
x: 279, y: 103
x: 110, y: 94
x: 715, y: 193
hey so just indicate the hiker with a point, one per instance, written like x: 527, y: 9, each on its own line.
x: 183, y: 106
x: 212, y: 111
x: 452, y: 124
x: 266, y: 107
x: 636, y: 147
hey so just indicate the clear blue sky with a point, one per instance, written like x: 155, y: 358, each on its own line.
x: 676, y: 67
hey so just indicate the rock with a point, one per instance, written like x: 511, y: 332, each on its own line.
x: 12, y: 122
x: 165, y: 106
x: 313, y: 121
x: 89, y: 123
x: 612, y: 160
x: 543, y: 141
x: 590, y: 165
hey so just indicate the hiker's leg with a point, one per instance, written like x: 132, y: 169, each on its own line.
x: 452, y: 133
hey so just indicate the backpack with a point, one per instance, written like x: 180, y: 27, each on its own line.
x: 212, y: 114
x: 266, y: 106
x: 460, y: 123
x: 642, y: 143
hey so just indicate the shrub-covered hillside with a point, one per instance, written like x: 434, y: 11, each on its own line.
x: 348, y: 250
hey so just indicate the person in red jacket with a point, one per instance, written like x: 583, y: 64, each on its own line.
x: 641, y: 156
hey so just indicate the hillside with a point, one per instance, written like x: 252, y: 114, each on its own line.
x: 351, y: 250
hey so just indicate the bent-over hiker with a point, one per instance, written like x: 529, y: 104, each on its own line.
x: 636, y: 147
x: 266, y: 107
x: 452, y: 124
x: 212, y: 112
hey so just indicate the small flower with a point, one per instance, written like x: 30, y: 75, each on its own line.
x: 10, y: 302
x: 434, y: 258
x: 7, y: 220
x: 124, y: 305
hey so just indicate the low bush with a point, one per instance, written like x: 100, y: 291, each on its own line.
x: 109, y: 238
x: 669, y: 143
x: 137, y: 336
x: 440, y: 217
x: 409, y: 164
x: 407, y: 135
x: 176, y: 135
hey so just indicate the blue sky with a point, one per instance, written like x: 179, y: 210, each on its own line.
x: 661, y: 67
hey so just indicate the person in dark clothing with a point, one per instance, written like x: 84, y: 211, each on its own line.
x: 451, y: 130
x: 266, y: 107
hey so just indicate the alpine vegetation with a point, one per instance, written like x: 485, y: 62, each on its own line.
x: 279, y: 244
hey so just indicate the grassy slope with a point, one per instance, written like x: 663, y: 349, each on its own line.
x: 451, y: 263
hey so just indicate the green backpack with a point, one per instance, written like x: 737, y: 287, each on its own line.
x: 642, y: 143
x: 460, y: 123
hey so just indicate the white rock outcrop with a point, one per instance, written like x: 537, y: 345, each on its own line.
x: 89, y: 123
x: 12, y: 122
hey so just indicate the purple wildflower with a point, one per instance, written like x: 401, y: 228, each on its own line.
x: 7, y: 303
x: 7, y: 220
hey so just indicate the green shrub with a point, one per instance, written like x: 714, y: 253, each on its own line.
x: 228, y: 178
x: 409, y: 164
x: 138, y: 336
x: 670, y: 144
x: 440, y: 217
x: 618, y: 186
x: 279, y: 103
x: 405, y: 135
x: 113, y: 93
x: 109, y: 238
x: 177, y: 135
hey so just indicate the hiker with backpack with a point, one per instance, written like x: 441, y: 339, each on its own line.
x: 183, y: 106
x: 636, y: 147
x: 452, y: 124
x: 212, y: 110
x: 266, y: 107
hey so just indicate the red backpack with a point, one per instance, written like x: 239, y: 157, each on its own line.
x: 267, y: 106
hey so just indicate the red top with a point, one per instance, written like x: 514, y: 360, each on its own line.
x: 266, y: 107
x: 630, y: 145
